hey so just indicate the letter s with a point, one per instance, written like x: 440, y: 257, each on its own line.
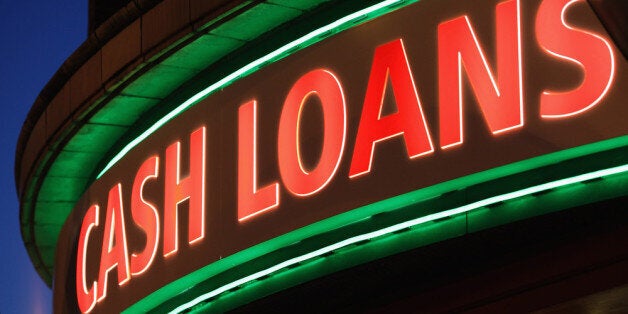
x: 590, y: 51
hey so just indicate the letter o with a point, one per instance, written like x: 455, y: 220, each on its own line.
x: 327, y: 88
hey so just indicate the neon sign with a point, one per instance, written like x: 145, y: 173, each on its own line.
x: 353, y: 133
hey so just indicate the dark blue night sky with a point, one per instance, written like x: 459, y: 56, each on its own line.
x: 37, y: 36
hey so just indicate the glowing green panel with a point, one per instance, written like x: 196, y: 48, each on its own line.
x: 47, y: 251
x: 123, y: 110
x: 47, y: 240
x: 67, y: 164
x: 91, y: 136
x: 159, y: 82
x: 298, y: 4
x: 205, y: 50
x: 53, y: 212
x: 61, y: 189
x: 256, y: 21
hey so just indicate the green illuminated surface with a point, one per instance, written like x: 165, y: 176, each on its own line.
x: 298, y: 4
x: 206, y: 47
x: 307, y: 40
x: 56, y: 184
x: 416, y: 236
x: 253, y: 23
x: 120, y: 115
x: 537, y: 186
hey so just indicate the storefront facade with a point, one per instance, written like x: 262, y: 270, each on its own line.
x: 333, y: 155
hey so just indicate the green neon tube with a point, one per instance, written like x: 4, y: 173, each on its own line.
x: 244, y: 71
x: 407, y: 224
x: 605, y: 154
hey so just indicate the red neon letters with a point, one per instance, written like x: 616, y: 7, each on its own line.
x: 500, y: 99
x: 497, y: 87
x: 114, y: 251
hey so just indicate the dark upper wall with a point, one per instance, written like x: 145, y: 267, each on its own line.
x: 101, y: 10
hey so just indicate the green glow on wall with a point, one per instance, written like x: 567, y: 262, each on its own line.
x: 47, y: 238
x: 95, y: 140
x: 571, y: 174
x: 401, y: 226
x: 313, y: 37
